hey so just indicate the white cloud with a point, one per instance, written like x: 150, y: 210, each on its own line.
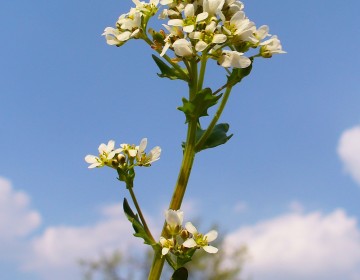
x: 56, y: 253
x: 349, y: 151
x: 16, y: 217
x: 301, y: 246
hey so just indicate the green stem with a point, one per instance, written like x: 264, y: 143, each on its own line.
x: 215, y: 119
x: 184, y: 174
x: 202, y: 71
x: 140, y: 213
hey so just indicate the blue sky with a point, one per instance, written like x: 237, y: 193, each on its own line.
x: 294, y: 156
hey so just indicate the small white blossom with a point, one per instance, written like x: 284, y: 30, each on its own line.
x: 144, y: 159
x: 106, y: 154
x: 174, y: 220
x: 115, y: 37
x: 182, y: 48
x: 132, y: 150
x: 233, y: 59
x: 175, y: 31
x: 232, y: 7
x: 262, y: 32
x: 131, y: 23
x: 270, y: 47
x: 241, y: 28
x: 213, y: 7
x: 189, y: 22
x: 207, y: 37
x: 166, y: 244
x: 199, y: 240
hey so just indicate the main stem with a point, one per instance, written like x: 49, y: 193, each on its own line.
x: 184, y: 173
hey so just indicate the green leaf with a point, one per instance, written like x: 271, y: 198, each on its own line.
x: 135, y: 221
x: 238, y: 74
x: 198, y: 107
x: 180, y: 274
x: 217, y: 136
x: 167, y: 71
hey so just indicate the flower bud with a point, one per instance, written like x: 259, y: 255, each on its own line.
x: 184, y: 234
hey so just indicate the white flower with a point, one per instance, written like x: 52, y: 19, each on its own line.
x: 182, y: 48
x: 146, y: 8
x: 213, y: 7
x: 233, y: 59
x: 190, y: 20
x: 106, y: 154
x: 199, y: 240
x: 132, y: 150
x: 207, y: 37
x: 166, y: 244
x: 144, y: 159
x: 262, y: 32
x: 175, y: 31
x: 232, y: 7
x: 115, y: 37
x: 174, y: 220
x: 131, y: 22
x: 270, y: 47
x: 241, y: 27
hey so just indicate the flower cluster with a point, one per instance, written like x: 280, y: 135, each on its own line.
x: 125, y: 156
x: 218, y: 29
x: 130, y: 25
x: 184, y: 241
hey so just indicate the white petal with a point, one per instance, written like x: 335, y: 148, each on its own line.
x: 190, y: 243
x: 102, y: 148
x: 132, y: 152
x: 242, y: 62
x: 110, y: 40
x: 164, y: 251
x: 174, y: 217
x: 165, y: 48
x: 119, y: 150
x: 163, y: 241
x: 166, y: 2
x: 91, y: 159
x: 188, y: 28
x: 190, y: 228
x: 195, y: 35
x: 202, y: 16
x: 176, y: 22
x: 219, y: 38
x: 111, y: 155
x: 155, y: 153
x: 210, y: 249
x: 189, y: 10
x: 124, y: 36
x: 210, y: 27
x: 96, y: 164
x: 143, y: 145
x: 182, y: 47
x: 200, y: 46
x: 111, y: 145
x: 211, y: 235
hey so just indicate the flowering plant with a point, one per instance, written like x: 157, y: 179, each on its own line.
x: 194, y: 32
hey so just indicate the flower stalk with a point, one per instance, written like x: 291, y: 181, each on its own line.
x: 195, y: 32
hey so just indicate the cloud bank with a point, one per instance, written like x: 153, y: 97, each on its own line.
x: 301, y: 246
x: 349, y: 151
x: 295, y: 245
